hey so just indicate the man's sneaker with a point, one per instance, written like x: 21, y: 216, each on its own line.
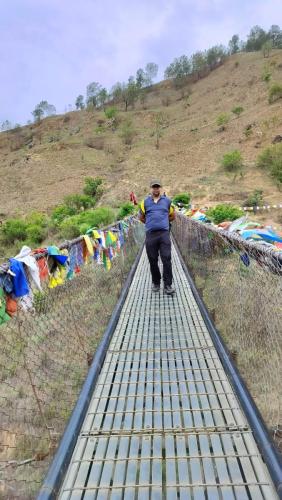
x: 155, y: 288
x: 169, y: 290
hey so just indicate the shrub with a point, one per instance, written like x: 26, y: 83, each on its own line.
x: 224, y: 212
x: 248, y: 130
x: 266, y: 75
x: 275, y: 92
x: 237, y: 110
x: 35, y: 233
x: 99, y: 217
x: 183, y: 198
x: 222, y: 119
x: 78, y: 224
x: 271, y: 160
x: 61, y: 212
x: 125, y: 209
x: 79, y: 201
x: 111, y: 112
x: 127, y: 132
x: 13, y: 230
x: 269, y: 155
x: 69, y: 228
x: 232, y: 162
x: 276, y: 170
x: 91, y: 186
x: 37, y: 218
x: 255, y: 198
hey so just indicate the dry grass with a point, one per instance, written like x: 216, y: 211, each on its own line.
x: 190, y: 148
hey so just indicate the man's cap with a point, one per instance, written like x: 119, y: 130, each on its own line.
x: 155, y: 182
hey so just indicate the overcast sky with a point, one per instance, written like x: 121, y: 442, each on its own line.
x: 51, y: 49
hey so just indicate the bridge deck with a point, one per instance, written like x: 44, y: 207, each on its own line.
x: 164, y: 421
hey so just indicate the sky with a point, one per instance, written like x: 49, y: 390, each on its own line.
x: 51, y: 49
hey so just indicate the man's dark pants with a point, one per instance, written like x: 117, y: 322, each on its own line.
x: 158, y: 242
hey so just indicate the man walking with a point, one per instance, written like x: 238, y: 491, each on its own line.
x: 157, y: 213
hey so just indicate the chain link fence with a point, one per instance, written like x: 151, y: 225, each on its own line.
x: 44, y: 358
x: 241, y: 283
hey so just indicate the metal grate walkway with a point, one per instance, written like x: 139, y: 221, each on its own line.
x: 164, y: 422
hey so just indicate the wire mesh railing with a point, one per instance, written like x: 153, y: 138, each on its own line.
x: 47, y: 347
x: 241, y: 283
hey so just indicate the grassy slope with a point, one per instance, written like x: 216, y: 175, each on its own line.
x: 38, y: 178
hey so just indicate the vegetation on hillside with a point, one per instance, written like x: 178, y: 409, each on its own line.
x: 224, y: 212
x: 270, y: 159
x: 197, y: 65
x: 68, y: 220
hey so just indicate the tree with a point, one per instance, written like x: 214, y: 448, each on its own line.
x: 256, y: 39
x: 232, y: 162
x: 266, y: 48
x: 102, y: 97
x: 198, y: 61
x: 132, y: 91
x: 6, y: 125
x: 43, y: 109
x: 37, y: 113
x: 140, y: 78
x: 151, y: 71
x: 92, y: 91
x: 234, y: 46
x: 215, y: 55
x: 161, y: 121
x: 275, y: 35
x: 48, y: 109
x: 179, y: 68
x: 79, y: 104
x: 117, y: 91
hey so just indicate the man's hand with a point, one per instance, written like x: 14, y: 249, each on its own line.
x: 142, y: 217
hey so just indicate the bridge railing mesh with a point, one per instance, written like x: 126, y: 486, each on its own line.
x: 241, y: 285
x: 44, y: 358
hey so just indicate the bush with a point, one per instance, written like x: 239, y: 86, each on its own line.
x: 79, y: 201
x: 91, y: 186
x: 237, y: 110
x: 275, y: 92
x: 125, y: 209
x: 266, y: 75
x: 37, y: 218
x: 111, y: 112
x: 13, y: 230
x: 183, y: 198
x: 61, y: 212
x: 35, y: 233
x: 224, y: 212
x: 69, y: 228
x: 276, y: 170
x: 232, y: 162
x: 99, y: 217
x: 255, y: 198
x: 271, y: 159
x: 78, y: 224
x: 127, y: 133
x: 222, y: 119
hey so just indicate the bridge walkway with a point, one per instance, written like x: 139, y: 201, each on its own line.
x: 164, y: 421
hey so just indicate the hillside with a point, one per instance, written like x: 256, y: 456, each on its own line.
x: 42, y: 163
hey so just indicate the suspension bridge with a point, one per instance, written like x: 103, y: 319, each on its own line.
x: 165, y: 411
